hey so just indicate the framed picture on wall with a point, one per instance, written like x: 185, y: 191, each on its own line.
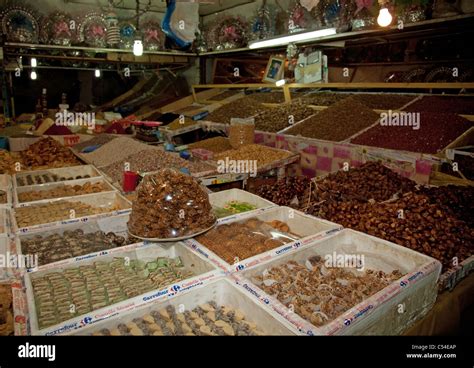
x: 275, y: 69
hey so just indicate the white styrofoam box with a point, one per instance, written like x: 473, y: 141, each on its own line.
x: 204, y: 271
x: 20, y: 312
x: 222, y: 291
x: 5, y: 271
x: 66, y: 172
x: 6, y: 186
x: 307, y: 227
x: 115, y: 224
x: 107, y: 199
x: 221, y: 199
x: 379, y: 314
x: 51, y: 186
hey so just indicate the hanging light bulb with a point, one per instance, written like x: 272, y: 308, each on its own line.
x: 385, y: 18
x: 97, y: 73
x: 280, y: 82
x: 33, y: 75
x: 138, y: 48
x: 34, y: 63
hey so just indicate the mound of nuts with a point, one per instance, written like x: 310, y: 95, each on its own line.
x: 48, y: 152
x: 290, y: 191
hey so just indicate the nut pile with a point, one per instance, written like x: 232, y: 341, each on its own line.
x: 170, y: 204
x: 205, y: 320
x: 436, y: 131
x: 324, y: 98
x: 319, y: 294
x: 371, y: 181
x: 72, y: 243
x: 99, y: 140
x: 6, y: 310
x: 154, y: 160
x: 48, y: 152
x: 64, y: 191
x: 338, y: 122
x: 268, y: 97
x: 384, y: 101
x: 34, y: 179
x: 94, y: 286
x: 216, y: 144
x: 262, y: 154
x: 244, y: 107
x: 290, y: 191
x: 116, y: 150
x: 443, y: 104
x: 56, y: 211
x: 278, y: 118
x: 241, y: 240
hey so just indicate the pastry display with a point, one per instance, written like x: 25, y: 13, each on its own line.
x: 241, y: 240
x: 169, y: 205
x: 56, y: 247
x: 34, y: 179
x: 64, y: 191
x: 46, y: 213
x: 62, y: 295
x: 319, y: 294
x: 208, y: 319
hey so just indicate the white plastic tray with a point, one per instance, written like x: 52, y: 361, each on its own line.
x: 380, y: 314
x: 51, y: 186
x: 222, y: 291
x: 107, y: 199
x: 220, y: 199
x: 309, y: 229
x: 4, y: 221
x: 66, y: 172
x: 200, y: 267
x: 115, y: 224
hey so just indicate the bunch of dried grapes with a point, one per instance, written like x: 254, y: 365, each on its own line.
x: 290, y: 191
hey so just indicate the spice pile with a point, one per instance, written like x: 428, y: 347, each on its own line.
x: 443, y: 104
x: 324, y: 98
x: 436, y: 131
x: 241, y: 240
x: 384, y: 101
x: 319, y: 294
x: 278, y: 118
x: 205, y: 320
x: 338, y: 122
x: 170, y: 204
x: 244, y: 107
x: 48, y: 152
x: 216, y: 144
x: 70, y: 244
x: 99, y: 140
x: 64, y: 191
x: 268, y: 97
x: 91, y: 287
x: 262, y: 154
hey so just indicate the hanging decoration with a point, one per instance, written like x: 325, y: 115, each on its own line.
x: 262, y: 25
x: 180, y: 24
x: 153, y: 36
x: 128, y: 32
x: 93, y: 30
x: 309, y: 4
x: 228, y: 33
x: 19, y: 23
x: 365, y: 15
x: 113, y: 29
x: 58, y: 28
x: 297, y: 21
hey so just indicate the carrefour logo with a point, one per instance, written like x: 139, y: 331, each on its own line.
x: 403, y: 283
x: 239, y: 267
x: 297, y: 245
x: 175, y: 288
x: 86, y: 321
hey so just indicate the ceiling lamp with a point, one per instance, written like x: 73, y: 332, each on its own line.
x: 138, y: 48
x: 385, y: 18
